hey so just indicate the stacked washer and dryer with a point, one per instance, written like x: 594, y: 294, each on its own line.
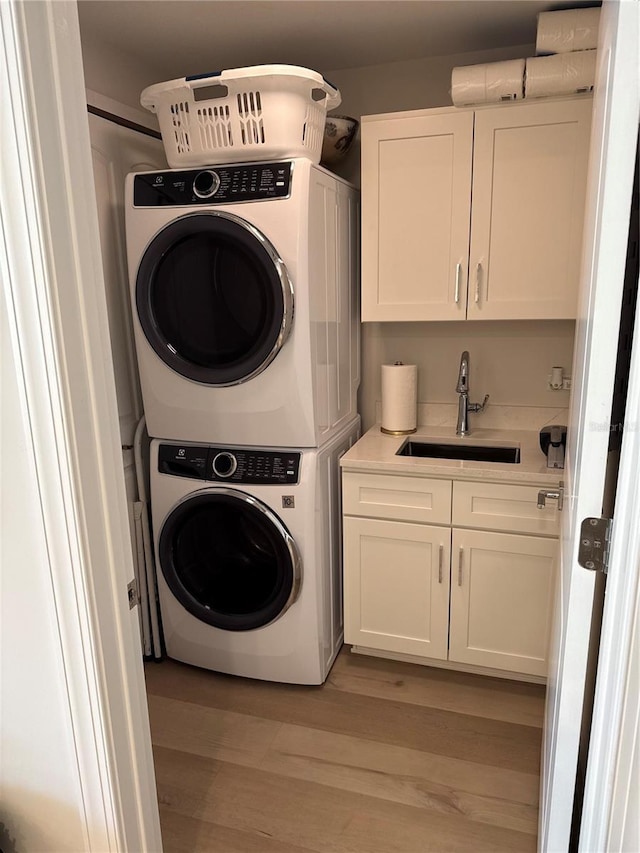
x: 244, y: 290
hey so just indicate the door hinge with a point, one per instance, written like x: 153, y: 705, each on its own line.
x: 132, y: 592
x: 593, y: 552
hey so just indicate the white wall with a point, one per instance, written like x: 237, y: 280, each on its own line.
x: 509, y: 360
x: 115, y: 74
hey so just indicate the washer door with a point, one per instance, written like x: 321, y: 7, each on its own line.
x: 229, y: 560
x: 214, y: 299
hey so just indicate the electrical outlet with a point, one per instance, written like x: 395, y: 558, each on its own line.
x: 566, y: 384
x: 551, y: 386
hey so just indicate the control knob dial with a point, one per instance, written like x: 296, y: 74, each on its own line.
x: 205, y: 184
x: 224, y: 464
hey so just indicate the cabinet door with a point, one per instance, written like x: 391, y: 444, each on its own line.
x: 501, y: 587
x: 396, y: 586
x: 416, y: 192
x: 529, y: 176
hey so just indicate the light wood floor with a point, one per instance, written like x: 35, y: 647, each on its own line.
x: 385, y: 757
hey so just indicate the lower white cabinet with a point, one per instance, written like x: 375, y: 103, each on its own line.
x: 447, y: 591
x: 396, y: 588
x: 501, y: 591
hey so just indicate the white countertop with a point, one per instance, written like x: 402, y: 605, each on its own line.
x: 376, y: 452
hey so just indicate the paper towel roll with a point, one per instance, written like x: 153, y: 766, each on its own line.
x: 568, y: 29
x: 490, y: 83
x: 561, y: 74
x: 399, y: 398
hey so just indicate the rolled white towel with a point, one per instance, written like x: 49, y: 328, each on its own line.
x: 490, y: 83
x: 561, y: 74
x: 567, y: 30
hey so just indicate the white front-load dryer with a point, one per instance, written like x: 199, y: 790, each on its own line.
x: 248, y: 555
x: 245, y: 302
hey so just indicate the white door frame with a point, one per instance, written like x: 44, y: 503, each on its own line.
x: 58, y: 315
x: 611, y: 789
x: 613, y: 145
x: 611, y: 807
x: 54, y: 290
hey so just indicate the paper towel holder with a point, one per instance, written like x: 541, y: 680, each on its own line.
x: 398, y: 431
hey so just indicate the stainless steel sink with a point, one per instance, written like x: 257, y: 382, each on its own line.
x: 471, y: 452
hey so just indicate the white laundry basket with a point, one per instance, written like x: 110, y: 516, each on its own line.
x: 266, y: 112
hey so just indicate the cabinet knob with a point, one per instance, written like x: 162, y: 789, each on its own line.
x: 440, y: 556
x: 460, y: 560
x: 552, y: 495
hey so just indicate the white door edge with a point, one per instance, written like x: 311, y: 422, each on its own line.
x: 614, y: 732
x: 51, y: 263
x: 609, y: 799
x: 613, y: 145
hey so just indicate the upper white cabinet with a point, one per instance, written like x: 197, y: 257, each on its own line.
x: 416, y: 201
x: 529, y: 182
x: 474, y: 214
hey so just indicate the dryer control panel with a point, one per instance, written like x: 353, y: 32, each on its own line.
x: 213, y: 185
x: 230, y: 464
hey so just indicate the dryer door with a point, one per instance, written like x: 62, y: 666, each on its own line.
x: 214, y: 299
x: 229, y: 560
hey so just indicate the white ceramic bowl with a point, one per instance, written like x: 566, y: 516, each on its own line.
x: 339, y: 133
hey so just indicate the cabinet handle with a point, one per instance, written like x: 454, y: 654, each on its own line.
x: 551, y: 494
x: 458, y: 271
x: 478, y: 280
x: 440, y: 564
x: 460, y: 558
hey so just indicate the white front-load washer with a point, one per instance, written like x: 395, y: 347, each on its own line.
x: 244, y: 285
x: 248, y: 553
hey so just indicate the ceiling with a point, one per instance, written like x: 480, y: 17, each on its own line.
x: 182, y: 37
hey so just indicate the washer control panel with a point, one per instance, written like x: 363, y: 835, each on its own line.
x: 213, y: 185
x: 230, y: 464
